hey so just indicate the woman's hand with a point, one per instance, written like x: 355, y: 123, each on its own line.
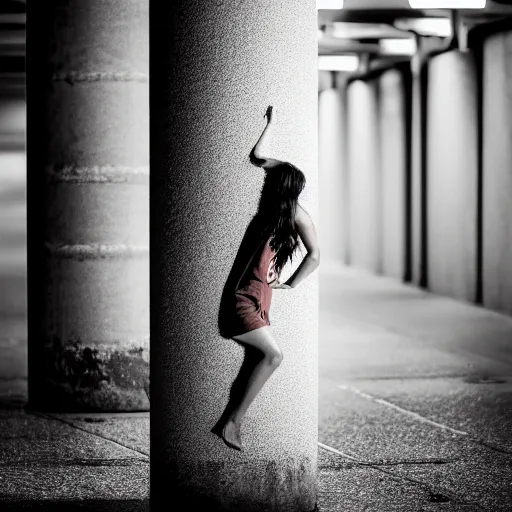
x: 277, y: 284
x: 268, y: 113
x: 282, y: 286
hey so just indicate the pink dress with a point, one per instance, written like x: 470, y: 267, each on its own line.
x: 254, y: 294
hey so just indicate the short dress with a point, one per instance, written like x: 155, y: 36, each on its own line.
x: 254, y: 294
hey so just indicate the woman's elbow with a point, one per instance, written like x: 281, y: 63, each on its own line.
x: 315, y: 256
x: 256, y: 159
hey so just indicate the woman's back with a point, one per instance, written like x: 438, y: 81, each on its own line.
x: 261, y: 268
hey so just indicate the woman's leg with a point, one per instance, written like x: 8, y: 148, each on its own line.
x: 272, y: 358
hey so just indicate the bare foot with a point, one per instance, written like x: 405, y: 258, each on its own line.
x: 231, y: 435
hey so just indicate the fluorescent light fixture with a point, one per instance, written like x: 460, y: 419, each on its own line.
x: 398, y: 46
x: 440, y: 27
x: 447, y: 4
x: 338, y: 62
x: 329, y: 4
x: 349, y: 30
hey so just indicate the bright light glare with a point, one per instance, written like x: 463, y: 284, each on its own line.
x: 352, y: 30
x: 329, y: 4
x: 440, y: 27
x: 338, y: 62
x: 447, y: 4
x: 397, y: 46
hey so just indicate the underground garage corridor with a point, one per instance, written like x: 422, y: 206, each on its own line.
x: 132, y: 165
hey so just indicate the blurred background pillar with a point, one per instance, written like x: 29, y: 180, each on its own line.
x: 215, y: 67
x: 363, y: 152
x: 394, y: 170
x: 418, y: 199
x: 497, y: 171
x: 332, y: 171
x: 418, y: 141
x: 452, y: 175
x: 13, y: 244
x: 87, y: 195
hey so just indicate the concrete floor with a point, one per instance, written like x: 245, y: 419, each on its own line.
x: 415, y: 399
x: 415, y: 403
x: 415, y: 414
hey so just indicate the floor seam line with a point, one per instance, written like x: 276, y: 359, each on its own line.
x: 384, y: 462
x: 56, y: 418
x: 422, y: 419
x: 432, y: 489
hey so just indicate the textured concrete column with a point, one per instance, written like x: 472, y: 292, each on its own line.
x: 452, y: 168
x: 88, y: 149
x: 393, y: 169
x: 215, y: 67
x: 332, y: 174
x: 497, y: 172
x: 363, y: 175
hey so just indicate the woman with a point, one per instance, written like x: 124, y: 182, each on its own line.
x: 283, y: 221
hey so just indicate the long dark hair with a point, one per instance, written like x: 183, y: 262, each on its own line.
x: 278, y: 204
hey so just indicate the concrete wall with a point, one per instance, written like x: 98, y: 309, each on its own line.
x: 332, y: 229
x: 452, y: 161
x: 216, y: 67
x: 393, y: 171
x: 497, y: 172
x: 363, y: 175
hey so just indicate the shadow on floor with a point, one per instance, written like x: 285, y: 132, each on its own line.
x: 77, y: 505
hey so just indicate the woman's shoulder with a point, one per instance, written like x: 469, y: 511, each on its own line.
x: 301, y: 213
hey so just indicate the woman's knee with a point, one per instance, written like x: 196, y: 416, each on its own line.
x: 261, y: 339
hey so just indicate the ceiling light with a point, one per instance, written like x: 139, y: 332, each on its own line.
x: 338, y: 62
x: 447, y: 4
x: 397, y: 46
x: 348, y: 30
x: 440, y: 27
x: 329, y: 4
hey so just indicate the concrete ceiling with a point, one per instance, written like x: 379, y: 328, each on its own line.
x: 377, y: 18
x: 380, y: 14
x: 384, y: 11
x: 386, y: 5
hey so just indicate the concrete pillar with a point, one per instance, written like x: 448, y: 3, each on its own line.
x: 419, y: 69
x: 393, y: 169
x: 497, y: 172
x: 12, y: 120
x: 332, y: 174
x: 418, y: 200
x: 13, y: 245
x: 87, y: 193
x: 215, y: 67
x: 452, y: 175
x: 363, y: 175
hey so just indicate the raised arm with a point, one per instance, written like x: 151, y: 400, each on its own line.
x: 307, y: 233
x: 256, y: 156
